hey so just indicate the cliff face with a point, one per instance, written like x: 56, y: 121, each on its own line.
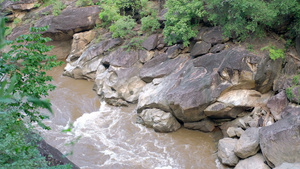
x: 212, y: 83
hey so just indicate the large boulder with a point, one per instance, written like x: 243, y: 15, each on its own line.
x: 267, y: 72
x: 69, y: 22
x: 151, y: 42
x: 226, y: 153
x: 255, y: 162
x: 248, y: 144
x: 159, y: 120
x: 200, y: 48
x: 214, y: 35
x: 280, y: 142
x: 196, y: 83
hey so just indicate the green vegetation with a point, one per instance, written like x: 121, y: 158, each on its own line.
x: 120, y: 16
x: 134, y: 44
x: 123, y: 27
x: 84, y: 2
x: 23, y: 83
x: 239, y: 19
x: 182, y: 19
x: 57, y: 6
x: 290, y: 91
x: 274, y: 53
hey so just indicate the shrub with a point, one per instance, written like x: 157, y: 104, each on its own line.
x: 182, y: 19
x: 123, y: 27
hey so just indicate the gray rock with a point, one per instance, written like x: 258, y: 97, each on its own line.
x: 214, y: 36
x: 217, y: 48
x: 159, y: 120
x: 200, y: 48
x: 86, y: 65
x: 20, y: 30
x: 69, y: 22
x: 277, y: 104
x: 248, y: 144
x: 151, y: 42
x: 294, y: 94
x: 201, y: 32
x: 254, y: 162
x: 267, y: 71
x: 231, y: 132
x: 145, y: 56
x: 205, y: 125
x: 239, y: 131
x: 196, y: 83
x: 121, y: 58
x: 226, y: 153
x: 21, y: 5
x: 160, y: 66
x: 173, y: 51
x: 53, y: 155
x: 219, y: 110
x: 288, y: 166
x: 280, y: 142
x: 119, y: 84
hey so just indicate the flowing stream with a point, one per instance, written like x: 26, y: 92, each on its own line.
x: 109, y: 138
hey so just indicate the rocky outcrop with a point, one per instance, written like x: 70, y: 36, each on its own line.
x: 196, y: 83
x: 255, y: 162
x: 69, y: 22
x: 226, y: 151
x: 277, y: 141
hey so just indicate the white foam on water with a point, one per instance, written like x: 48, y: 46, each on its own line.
x: 106, y: 131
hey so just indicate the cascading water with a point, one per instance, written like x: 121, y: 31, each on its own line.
x: 110, y: 138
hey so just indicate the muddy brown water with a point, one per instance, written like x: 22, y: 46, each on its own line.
x: 110, y: 138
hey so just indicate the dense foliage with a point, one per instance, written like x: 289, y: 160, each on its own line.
x: 237, y: 18
x: 23, y: 83
x: 121, y: 16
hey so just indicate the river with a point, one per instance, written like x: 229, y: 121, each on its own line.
x: 109, y: 138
